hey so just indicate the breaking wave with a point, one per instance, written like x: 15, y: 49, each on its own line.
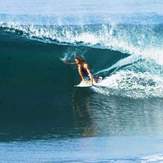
x: 139, y: 75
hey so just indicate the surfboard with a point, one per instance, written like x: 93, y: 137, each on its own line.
x: 88, y: 83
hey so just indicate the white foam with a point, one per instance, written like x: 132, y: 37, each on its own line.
x: 153, y: 158
x: 131, y: 84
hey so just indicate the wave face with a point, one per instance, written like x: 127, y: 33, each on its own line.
x: 137, y: 73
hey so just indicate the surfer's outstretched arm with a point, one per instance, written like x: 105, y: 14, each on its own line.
x: 66, y: 62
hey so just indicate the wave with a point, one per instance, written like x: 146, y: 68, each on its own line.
x: 138, y: 74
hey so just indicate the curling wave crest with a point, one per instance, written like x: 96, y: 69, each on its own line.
x: 145, y: 40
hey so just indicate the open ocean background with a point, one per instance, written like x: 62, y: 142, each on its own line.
x: 43, y: 118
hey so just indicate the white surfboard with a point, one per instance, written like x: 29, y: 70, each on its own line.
x: 84, y: 84
x: 88, y: 83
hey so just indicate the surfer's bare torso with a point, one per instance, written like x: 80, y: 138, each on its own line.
x: 84, y: 70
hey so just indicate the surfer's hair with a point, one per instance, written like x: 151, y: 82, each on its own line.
x: 80, y: 59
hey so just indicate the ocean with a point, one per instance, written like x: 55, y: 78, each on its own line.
x: 44, y: 118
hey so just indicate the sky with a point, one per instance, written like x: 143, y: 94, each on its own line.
x: 60, y: 7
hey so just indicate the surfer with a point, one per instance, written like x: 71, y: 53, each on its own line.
x: 83, y: 69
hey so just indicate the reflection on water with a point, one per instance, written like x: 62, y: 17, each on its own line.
x: 107, y: 115
x: 89, y: 114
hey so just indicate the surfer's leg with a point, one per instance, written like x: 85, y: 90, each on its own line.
x: 94, y: 81
x: 80, y: 74
x: 91, y: 78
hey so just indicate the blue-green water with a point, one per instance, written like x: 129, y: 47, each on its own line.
x: 43, y: 118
